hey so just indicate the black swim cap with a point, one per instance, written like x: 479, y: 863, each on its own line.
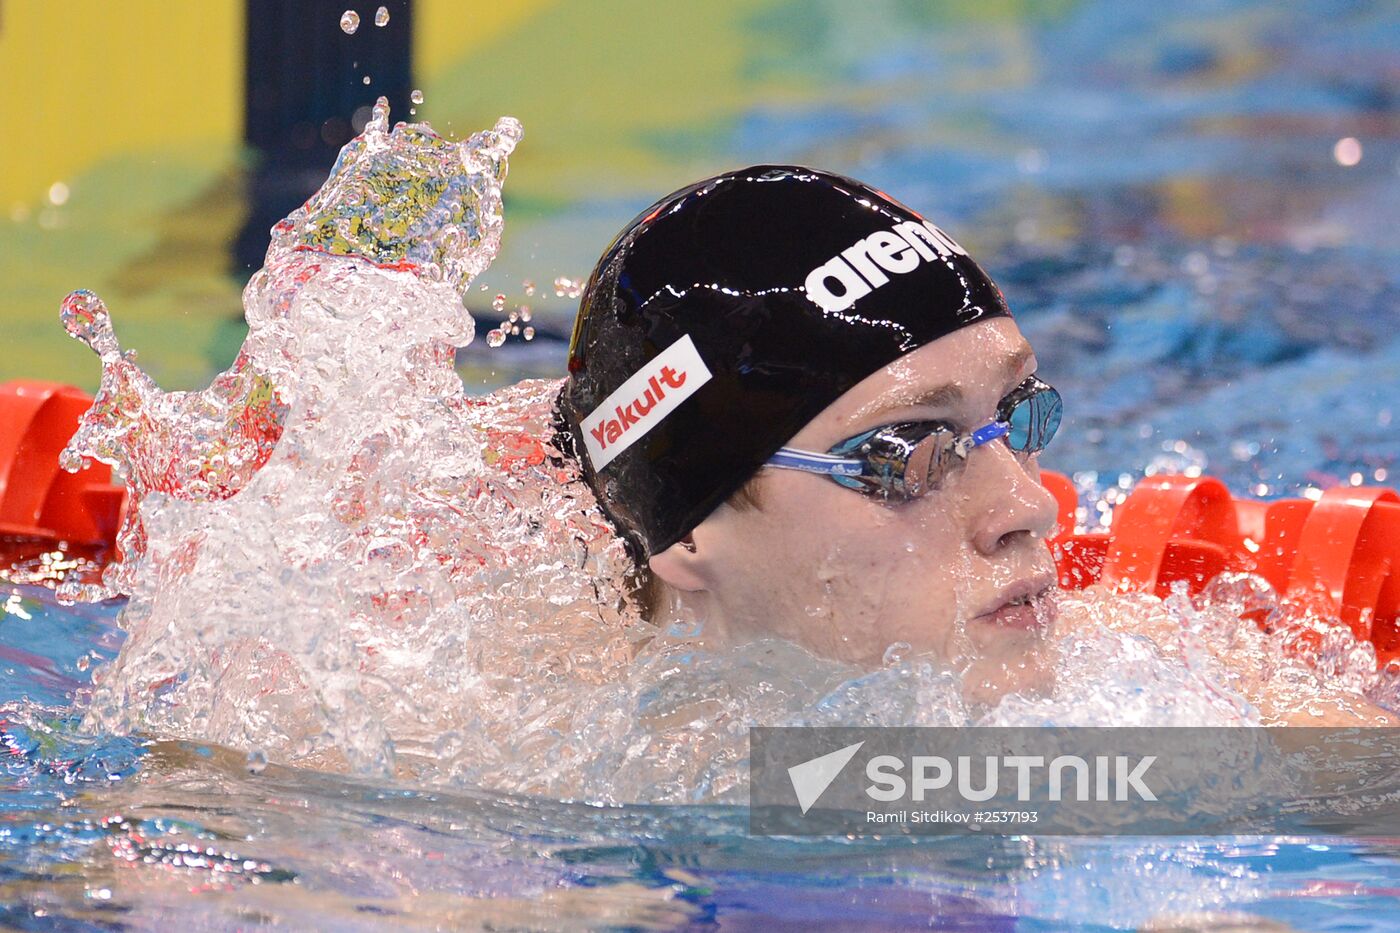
x: 728, y: 315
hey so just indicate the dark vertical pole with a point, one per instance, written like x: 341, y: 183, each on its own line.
x: 305, y: 97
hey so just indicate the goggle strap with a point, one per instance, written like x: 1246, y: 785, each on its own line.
x: 825, y: 464
x: 990, y: 432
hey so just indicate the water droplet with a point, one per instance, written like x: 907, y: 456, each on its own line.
x: 447, y: 745
x: 515, y: 330
x: 257, y: 761
x: 1195, y: 263
x: 365, y: 79
x: 525, y: 312
x: 349, y: 22
x: 85, y: 318
x: 58, y: 194
x: 513, y: 317
x: 895, y: 653
x: 529, y: 287
x: 498, y: 303
x: 381, y: 16
x: 565, y: 287
x: 1030, y: 161
x: 529, y: 333
x: 495, y: 337
x: 1347, y: 151
x: 416, y: 96
x: 379, y: 118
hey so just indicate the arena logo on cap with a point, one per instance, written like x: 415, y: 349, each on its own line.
x: 640, y: 403
x: 861, y: 268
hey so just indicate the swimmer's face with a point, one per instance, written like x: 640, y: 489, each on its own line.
x: 847, y: 575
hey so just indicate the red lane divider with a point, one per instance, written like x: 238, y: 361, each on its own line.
x: 1337, y: 565
x: 37, y: 498
x: 1339, y: 556
x: 1193, y: 520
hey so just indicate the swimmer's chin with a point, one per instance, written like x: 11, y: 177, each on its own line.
x: 986, y: 683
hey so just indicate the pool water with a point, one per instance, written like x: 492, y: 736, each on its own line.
x: 114, y: 833
x: 1207, y: 278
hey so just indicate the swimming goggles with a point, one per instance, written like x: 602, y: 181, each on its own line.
x: 908, y: 459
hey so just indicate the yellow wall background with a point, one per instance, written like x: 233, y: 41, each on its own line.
x: 68, y: 100
x: 444, y: 31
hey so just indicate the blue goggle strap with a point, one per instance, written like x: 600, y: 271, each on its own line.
x: 793, y: 459
x: 988, y: 432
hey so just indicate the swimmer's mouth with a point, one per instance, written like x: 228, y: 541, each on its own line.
x: 1017, y: 606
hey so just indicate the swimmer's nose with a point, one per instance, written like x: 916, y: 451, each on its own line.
x: 1008, y: 503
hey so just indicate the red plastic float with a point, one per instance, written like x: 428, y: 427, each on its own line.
x: 1339, y: 555
x: 37, y: 498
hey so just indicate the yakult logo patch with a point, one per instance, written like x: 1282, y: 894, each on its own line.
x: 640, y: 403
x: 861, y: 268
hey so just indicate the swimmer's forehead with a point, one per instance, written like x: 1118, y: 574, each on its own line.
x: 947, y: 376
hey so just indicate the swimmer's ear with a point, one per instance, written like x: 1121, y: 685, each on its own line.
x: 680, y: 566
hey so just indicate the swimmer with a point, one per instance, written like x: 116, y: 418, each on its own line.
x: 811, y: 416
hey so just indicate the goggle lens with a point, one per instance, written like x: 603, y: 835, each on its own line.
x: 1034, y: 420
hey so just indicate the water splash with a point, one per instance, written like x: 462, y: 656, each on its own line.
x: 409, y: 200
x: 333, y: 517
